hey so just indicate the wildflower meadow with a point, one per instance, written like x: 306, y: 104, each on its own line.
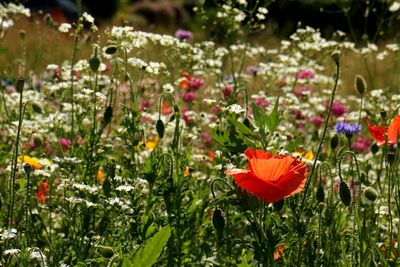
x: 205, y: 147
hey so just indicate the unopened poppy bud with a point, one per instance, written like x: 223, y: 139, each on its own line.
x: 320, y: 194
x: 176, y: 108
x: 218, y: 221
x: 370, y: 193
x: 334, y: 141
x: 111, y: 50
x: 37, y: 141
x: 345, y: 194
x: 374, y: 148
x: 360, y: 84
x: 383, y: 114
x: 106, y: 252
x: 108, y: 113
x: 336, y: 56
x: 37, y: 108
x: 160, y: 128
x: 94, y: 62
x: 27, y: 168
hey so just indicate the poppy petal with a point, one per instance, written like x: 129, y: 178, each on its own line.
x: 270, y: 169
x: 393, y: 130
x: 294, y: 180
x: 252, y: 153
x: 264, y: 190
x: 378, y: 133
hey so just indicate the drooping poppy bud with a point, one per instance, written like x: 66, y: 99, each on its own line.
x: 218, y: 221
x: 345, y: 194
x: 160, y: 128
x: 320, y: 194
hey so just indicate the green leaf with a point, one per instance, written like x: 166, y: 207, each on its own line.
x: 127, y: 263
x: 258, y: 116
x: 217, y: 137
x: 148, y: 254
x: 240, y: 126
x: 273, y: 118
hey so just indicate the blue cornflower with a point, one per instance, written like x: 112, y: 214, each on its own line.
x: 348, y: 129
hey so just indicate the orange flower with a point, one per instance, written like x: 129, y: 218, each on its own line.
x: 42, y: 191
x: 100, y: 176
x: 270, y: 177
x: 379, y: 133
x: 279, y: 251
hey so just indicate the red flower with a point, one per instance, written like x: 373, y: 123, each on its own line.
x: 42, y: 191
x: 270, y: 177
x: 392, y: 131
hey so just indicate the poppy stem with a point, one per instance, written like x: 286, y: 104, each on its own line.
x: 335, y: 57
x: 218, y: 180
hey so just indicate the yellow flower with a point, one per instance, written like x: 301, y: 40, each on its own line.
x: 100, y: 176
x: 33, y: 162
x: 309, y: 155
x: 151, y: 143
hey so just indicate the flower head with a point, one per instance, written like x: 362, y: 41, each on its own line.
x: 379, y: 133
x: 270, y: 177
x: 42, y: 191
x: 347, y: 128
x: 338, y: 109
x: 183, y: 34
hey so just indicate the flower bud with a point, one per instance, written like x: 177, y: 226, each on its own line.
x: 391, y: 157
x: 218, y: 221
x: 360, y: 85
x: 27, y: 168
x: 370, y: 193
x: 111, y: 50
x: 160, y: 128
x: 106, y: 252
x: 37, y: 108
x: 20, y: 85
x: 374, y: 148
x: 334, y: 141
x: 108, y: 113
x: 345, y: 194
x: 320, y: 194
x: 336, y: 56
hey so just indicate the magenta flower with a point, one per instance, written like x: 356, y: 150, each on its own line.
x: 317, y: 121
x: 207, y: 139
x: 338, y: 109
x: 190, y: 96
x: 261, y: 102
x: 65, y: 144
x: 305, y: 74
x: 196, y: 83
x: 227, y: 91
x: 361, y: 144
x: 302, y: 91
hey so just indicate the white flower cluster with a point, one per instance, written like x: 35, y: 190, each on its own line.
x: 8, y: 13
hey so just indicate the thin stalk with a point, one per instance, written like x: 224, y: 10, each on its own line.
x: 323, y: 136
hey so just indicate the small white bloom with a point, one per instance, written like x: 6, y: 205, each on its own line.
x: 64, y: 27
x: 394, y: 7
x: 87, y: 17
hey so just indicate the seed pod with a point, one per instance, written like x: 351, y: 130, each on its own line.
x: 320, y: 194
x: 218, y: 221
x: 334, y: 141
x: 20, y: 85
x: 160, y: 128
x: 27, y: 169
x: 106, y: 252
x: 108, y: 113
x: 360, y: 84
x: 370, y: 193
x: 345, y: 194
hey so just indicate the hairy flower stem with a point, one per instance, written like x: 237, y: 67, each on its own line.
x: 323, y: 135
x: 74, y: 52
x: 20, y: 87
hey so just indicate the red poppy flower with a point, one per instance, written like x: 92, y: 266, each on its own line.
x: 392, y: 131
x: 270, y: 177
x: 42, y: 191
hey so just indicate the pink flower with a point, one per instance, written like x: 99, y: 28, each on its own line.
x: 317, y: 121
x: 305, y: 74
x: 261, y: 102
x: 338, y: 109
x: 302, y: 91
x: 196, y: 83
x: 190, y: 96
x: 65, y: 144
x: 144, y: 103
x: 207, y: 139
x: 361, y: 144
x: 227, y: 91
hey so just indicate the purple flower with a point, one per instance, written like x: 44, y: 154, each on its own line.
x: 253, y: 70
x: 338, y: 109
x: 183, y: 34
x: 347, y: 128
